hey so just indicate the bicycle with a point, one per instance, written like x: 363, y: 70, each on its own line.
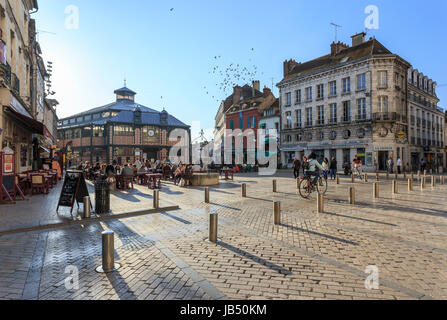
x: 307, y: 186
x: 357, y: 173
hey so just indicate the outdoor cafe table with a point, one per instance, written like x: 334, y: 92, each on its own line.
x: 154, y: 180
x: 228, y: 173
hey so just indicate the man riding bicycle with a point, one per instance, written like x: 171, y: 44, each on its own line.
x: 357, y: 165
x: 312, y: 166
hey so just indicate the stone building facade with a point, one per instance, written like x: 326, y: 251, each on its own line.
x: 122, y: 131
x: 350, y: 102
x: 427, y: 122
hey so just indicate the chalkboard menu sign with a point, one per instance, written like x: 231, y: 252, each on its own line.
x: 74, y: 189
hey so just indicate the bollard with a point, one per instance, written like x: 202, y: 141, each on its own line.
x: 156, y: 199
x: 412, y: 176
x: 396, y: 176
x: 274, y: 186
x: 423, y: 182
x: 410, y: 185
x: 87, y: 208
x: 366, y: 177
x: 298, y: 181
x: 207, y: 195
x: 277, y: 212
x: 405, y: 175
x: 213, y: 227
x: 388, y: 176
x: 376, y: 190
x: 395, y: 187
x: 352, y: 178
x: 351, y: 195
x: 419, y: 173
x: 320, y: 203
x: 443, y: 180
x: 244, y: 190
x: 377, y: 177
x: 108, y: 253
x: 425, y: 173
x: 338, y: 179
x: 433, y: 181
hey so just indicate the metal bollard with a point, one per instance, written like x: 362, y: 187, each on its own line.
x: 338, y: 179
x: 207, y: 195
x: 396, y: 176
x: 395, y: 187
x: 320, y: 203
x: 405, y: 175
x: 351, y: 195
x: 244, y: 190
x: 274, y: 186
x: 376, y: 190
x: 425, y: 172
x: 108, y: 253
x: 277, y: 212
x: 443, y: 180
x: 87, y: 207
x: 298, y: 181
x: 433, y: 181
x: 352, y: 178
x: 410, y: 185
x: 366, y: 177
x: 213, y: 227
x: 156, y: 199
x: 377, y: 177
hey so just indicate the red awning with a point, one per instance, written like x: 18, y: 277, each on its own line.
x: 33, y: 125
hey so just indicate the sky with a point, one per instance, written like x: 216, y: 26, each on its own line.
x: 167, y: 50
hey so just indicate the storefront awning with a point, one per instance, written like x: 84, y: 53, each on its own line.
x: 32, y: 125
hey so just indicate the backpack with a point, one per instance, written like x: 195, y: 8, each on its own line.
x: 306, y: 165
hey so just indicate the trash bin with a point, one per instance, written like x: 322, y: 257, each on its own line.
x: 102, y: 197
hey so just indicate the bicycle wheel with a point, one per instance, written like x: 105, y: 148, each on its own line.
x: 305, y: 188
x: 322, y: 185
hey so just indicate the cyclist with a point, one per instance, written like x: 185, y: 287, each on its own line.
x: 357, y: 165
x: 311, y: 167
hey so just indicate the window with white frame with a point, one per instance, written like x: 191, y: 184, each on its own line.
x: 382, y: 79
x: 320, y: 112
x: 361, y: 109
x: 298, y: 96
x: 333, y: 113
x: 309, y: 117
x: 361, y: 81
x: 332, y: 88
x: 309, y: 94
x: 289, y: 120
x: 346, y: 85
x: 288, y: 98
x: 320, y: 91
x: 298, y: 118
x: 383, y: 104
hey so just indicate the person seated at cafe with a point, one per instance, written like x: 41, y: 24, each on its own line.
x: 81, y: 166
x: 135, y: 169
x: 97, y: 167
x: 127, y: 171
x: 110, y: 170
x: 143, y: 169
x: 179, y: 172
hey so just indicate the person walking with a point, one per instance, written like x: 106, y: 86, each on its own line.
x: 399, y: 165
x: 333, y: 169
x: 325, y: 166
x: 390, y: 165
x: 304, y: 161
x: 296, y: 167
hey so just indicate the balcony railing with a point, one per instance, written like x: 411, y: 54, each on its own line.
x: 361, y: 118
x: 309, y: 124
x: 385, y: 116
x: 345, y: 119
x: 320, y: 122
x: 333, y: 121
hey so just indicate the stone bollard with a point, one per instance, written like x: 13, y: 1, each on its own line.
x: 244, y: 190
x: 425, y: 173
x: 213, y: 227
x: 274, y: 186
x: 277, y: 213
x: 366, y: 177
x: 376, y: 190
x: 298, y: 181
x: 396, y: 177
x: 412, y: 176
x: 320, y: 203
x: 156, y: 199
x: 423, y: 182
x: 388, y: 176
x: 351, y: 195
x: 405, y: 175
x: 419, y: 173
x: 410, y: 185
x: 108, y: 253
x: 87, y: 208
x: 395, y: 187
x: 207, y: 195
x: 443, y: 180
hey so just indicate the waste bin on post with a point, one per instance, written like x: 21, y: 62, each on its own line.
x: 102, y: 197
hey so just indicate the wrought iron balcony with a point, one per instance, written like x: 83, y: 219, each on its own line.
x: 345, y: 119
x: 385, y: 116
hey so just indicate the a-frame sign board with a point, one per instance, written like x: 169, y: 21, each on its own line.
x: 74, y: 189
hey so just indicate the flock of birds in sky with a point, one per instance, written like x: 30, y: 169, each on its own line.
x: 229, y: 76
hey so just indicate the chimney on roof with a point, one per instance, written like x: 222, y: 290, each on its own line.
x: 289, y: 65
x: 358, y: 39
x: 267, y: 92
x: 337, y: 47
x: 256, y: 85
x: 237, y: 94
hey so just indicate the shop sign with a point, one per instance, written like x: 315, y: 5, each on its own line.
x: 383, y: 148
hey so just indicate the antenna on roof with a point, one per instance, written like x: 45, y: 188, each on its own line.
x: 125, y: 82
x: 336, y: 26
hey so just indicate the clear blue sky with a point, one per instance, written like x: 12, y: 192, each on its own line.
x: 170, y: 54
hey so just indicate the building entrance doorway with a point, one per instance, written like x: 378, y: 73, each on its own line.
x: 383, y: 158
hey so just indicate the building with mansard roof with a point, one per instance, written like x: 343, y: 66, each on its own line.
x: 123, y: 131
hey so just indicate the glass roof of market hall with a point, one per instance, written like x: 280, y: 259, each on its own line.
x: 121, y: 111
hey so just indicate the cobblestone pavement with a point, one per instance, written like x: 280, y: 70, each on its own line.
x: 309, y: 256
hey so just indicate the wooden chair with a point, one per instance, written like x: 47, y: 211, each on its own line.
x: 188, y: 176
x: 167, y: 173
x: 38, y: 183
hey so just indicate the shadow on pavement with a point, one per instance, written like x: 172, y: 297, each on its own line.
x: 360, y: 219
x: 256, y: 259
x: 320, y: 234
